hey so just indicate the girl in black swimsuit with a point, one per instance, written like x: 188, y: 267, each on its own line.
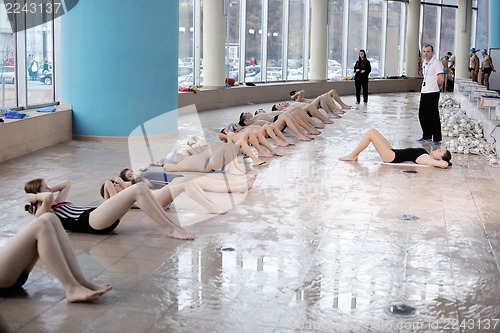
x: 439, y: 158
x: 42, y: 200
x: 46, y: 239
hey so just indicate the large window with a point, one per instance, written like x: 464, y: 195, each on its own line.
x: 394, y: 49
x: 447, y: 43
x: 26, y: 62
x: 269, y: 40
x: 430, y: 25
x: 233, y: 50
x: 7, y: 62
x: 39, y: 64
x: 296, y: 32
x: 482, y: 33
x: 186, y: 32
x: 253, y: 47
x: 274, y: 41
x: 335, y: 45
x: 374, y: 42
x: 356, y: 31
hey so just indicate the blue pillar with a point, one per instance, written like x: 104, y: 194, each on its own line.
x: 494, y: 31
x: 119, y: 66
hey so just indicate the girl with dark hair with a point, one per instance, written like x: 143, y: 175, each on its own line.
x: 439, y: 158
x: 362, y: 69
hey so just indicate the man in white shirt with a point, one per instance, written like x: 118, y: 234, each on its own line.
x: 428, y: 112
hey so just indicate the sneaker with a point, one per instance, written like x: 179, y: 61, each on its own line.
x: 422, y: 140
x: 435, y: 143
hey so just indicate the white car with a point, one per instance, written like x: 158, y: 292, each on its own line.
x: 8, y: 74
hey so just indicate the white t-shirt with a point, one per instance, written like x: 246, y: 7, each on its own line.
x: 431, y: 71
x: 451, y: 62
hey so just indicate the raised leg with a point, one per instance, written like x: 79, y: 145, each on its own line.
x: 337, y: 99
x: 45, y: 238
x: 115, y: 207
x: 380, y: 143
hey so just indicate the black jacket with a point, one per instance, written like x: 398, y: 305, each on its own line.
x: 362, y: 65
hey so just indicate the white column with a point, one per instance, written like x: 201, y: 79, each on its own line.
x: 412, y: 39
x: 463, y: 38
x: 214, y: 37
x: 319, y: 42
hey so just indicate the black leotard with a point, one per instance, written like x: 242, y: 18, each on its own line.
x: 17, y: 285
x: 408, y: 154
x: 76, y: 218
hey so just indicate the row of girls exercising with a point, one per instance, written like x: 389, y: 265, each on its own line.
x: 304, y: 117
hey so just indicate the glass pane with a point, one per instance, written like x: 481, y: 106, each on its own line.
x: 233, y: 40
x: 392, y: 48
x: 335, y: 47
x: 186, y: 33
x: 482, y: 32
x: 274, y: 41
x: 7, y: 62
x: 355, y: 42
x: 296, y: 40
x: 374, y: 43
x: 429, y: 26
x: 39, y: 60
x: 448, y: 15
x: 253, y: 40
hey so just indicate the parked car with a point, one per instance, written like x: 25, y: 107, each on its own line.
x: 46, y: 78
x: 7, y: 74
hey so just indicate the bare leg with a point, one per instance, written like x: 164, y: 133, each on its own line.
x: 226, y: 156
x: 304, y: 124
x: 486, y: 80
x: 44, y: 237
x: 302, y: 113
x: 337, y: 99
x: 245, y: 149
x: 313, y: 110
x: 254, y: 141
x: 195, y: 192
x: 329, y: 105
x: 115, y: 207
x: 380, y: 143
x: 277, y: 133
x: 287, y: 120
x: 262, y: 140
x: 220, y: 186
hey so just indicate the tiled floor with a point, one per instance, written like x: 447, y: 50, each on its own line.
x: 316, y: 245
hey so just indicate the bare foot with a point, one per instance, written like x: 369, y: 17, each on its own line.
x: 345, y: 106
x: 348, y: 158
x: 319, y: 126
x: 266, y: 155
x: 327, y: 121
x: 102, y: 289
x: 314, y: 133
x: 260, y: 163
x: 304, y: 138
x: 82, y: 294
x: 277, y: 153
x: 281, y: 143
x: 180, y: 233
